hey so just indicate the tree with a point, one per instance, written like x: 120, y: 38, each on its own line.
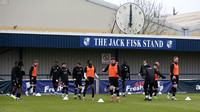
x: 155, y: 18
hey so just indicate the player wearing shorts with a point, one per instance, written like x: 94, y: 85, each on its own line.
x: 77, y: 77
x: 155, y: 86
x: 33, y: 75
x: 18, y: 74
x: 89, y: 73
x: 114, y: 71
x: 174, y: 75
x: 54, y: 72
x: 63, y: 73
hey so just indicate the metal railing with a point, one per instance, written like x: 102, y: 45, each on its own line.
x: 105, y: 76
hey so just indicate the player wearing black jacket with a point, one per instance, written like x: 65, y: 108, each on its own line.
x: 13, y: 79
x: 145, y: 65
x: 149, y: 74
x: 77, y: 76
x: 125, y: 74
x: 54, y: 73
x: 18, y: 74
x: 63, y: 74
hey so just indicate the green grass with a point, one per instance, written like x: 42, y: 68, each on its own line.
x: 130, y: 103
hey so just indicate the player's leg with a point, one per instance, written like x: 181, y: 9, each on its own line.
x: 85, y: 89
x: 107, y: 87
x: 67, y: 90
x: 92, y: 85
x: 174, y: 88
x: 146, y: 91
x: 55, y: 86
x: 14, y: 89
x: 13, y: 92
x: 28, y: 89
x: 80, y: 90
x: 111, y: 87
x: 116, y: 84
x: 65, y: 87
x: 19, y: 91
x: 123, y: 86
x: 111, y: 92
x: 75, y: 88
x: 155, y: 89
x: 34, y: 85
x: 150, y: 91
x: 170, y: 91
x: 84, y: 92
x: 34, y: 89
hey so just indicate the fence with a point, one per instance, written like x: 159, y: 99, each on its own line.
x: 105, y: 76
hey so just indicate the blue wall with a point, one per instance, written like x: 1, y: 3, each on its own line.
x: 68, y: 41
x: 36, y: 40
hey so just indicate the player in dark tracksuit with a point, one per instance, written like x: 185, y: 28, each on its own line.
x: 18, y: 74
x: 13, y: 80
x: 145, y: 64
x: 125, y: 74
x: 77, y: 76
x: 63, y: 74
x: 149, y: 74
x: 54, y: 73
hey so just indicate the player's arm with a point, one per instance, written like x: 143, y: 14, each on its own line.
x: 15, y: 73
x: 82, y: 73
x: 129, y: 73
x: 96, y: 74
x: 172, y: 69
x: 106, y: 69
x: 30, y: 72
x: 23, y: 72
x: 69, y: 72
x: 51, y: 73
x: 85, y: 71
x: 59, y: 74
x: 73, y: 73
x: 57, y: 77
x: 157, y: 72
x: 118, y: 70
x: 128, y: 69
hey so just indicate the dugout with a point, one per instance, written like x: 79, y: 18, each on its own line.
x: 73, y: 47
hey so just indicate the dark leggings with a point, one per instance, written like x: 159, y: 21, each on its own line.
x: 148, y: 86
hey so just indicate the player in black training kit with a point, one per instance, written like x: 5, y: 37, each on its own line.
x: 149, y: 75
x: 125, y: 74
x: 18, y: 74
x: 77, y: 76
x: 13, y: 79
x: 54, y: 73
x: 63, y: 74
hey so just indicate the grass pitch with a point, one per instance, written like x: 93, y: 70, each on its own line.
x: 130, y: 103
